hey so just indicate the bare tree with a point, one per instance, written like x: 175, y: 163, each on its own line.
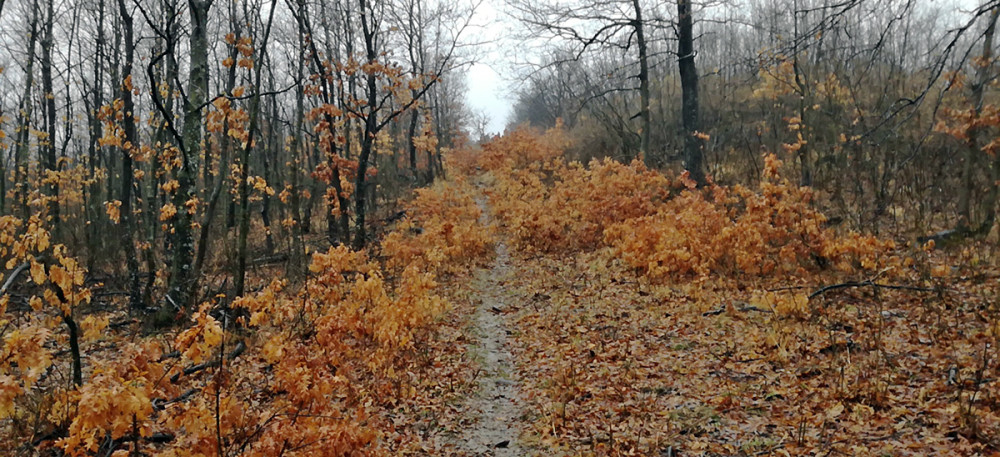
x: 49, y: 109
x: 244, y: 191
x: 689, y: 88
x: 129, y: 147
x: 25, y: 109
x: 984, y: 75
x: 182, y: 240
x: 596, y: 27
x: 377, y: 109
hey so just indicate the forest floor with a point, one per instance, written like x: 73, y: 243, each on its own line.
x: 573, y: 354
x: 493, y: 410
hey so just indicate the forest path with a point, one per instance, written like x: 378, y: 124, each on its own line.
x: 494, y: 408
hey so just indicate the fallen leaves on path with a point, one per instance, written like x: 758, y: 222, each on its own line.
x: 620, y: 367
x: 700, y: 325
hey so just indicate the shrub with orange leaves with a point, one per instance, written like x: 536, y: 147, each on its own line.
x: 320, y: 357
x: 312, y: 365
x: 771, y: 231
x: 462, y: 161
x: 116, y: 401
x: 524, y: 146
x: 664, y: 228
x: 38, y: 306
x: 441, y: 233
x: 302, y: 376
x: 678, y: 239
x: 558, y: 207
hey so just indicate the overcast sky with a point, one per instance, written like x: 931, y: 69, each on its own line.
x: 487, y: 89
x: 489, y: 84
x: 488, y: 94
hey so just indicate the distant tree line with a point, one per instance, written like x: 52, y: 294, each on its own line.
x: 885, y: 107
x: 163, y: 140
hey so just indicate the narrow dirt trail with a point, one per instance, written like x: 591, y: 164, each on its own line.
x: 494, y: 409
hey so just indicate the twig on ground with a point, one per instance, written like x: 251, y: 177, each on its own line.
x: 869, y: 283
x: 240, y: 348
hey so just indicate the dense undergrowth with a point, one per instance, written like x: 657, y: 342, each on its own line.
x: 655, y: 318
x: 650, y: 317
x: 314, y: 368
x: 664, y: 227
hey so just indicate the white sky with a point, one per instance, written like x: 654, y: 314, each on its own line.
x: 489, y: 80
x: 488, y: 92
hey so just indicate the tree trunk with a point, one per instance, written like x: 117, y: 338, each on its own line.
x: 168, y: 77
x: 640, y: 38
x: 337, y: 225
x: 371, y: 129
x: 415, y: 47
x: 245, y: 162
x: 412, y: 145
x: 227, y: 146
x: 360, y: 183
x: 51, y: 165
x: 182, y: 242
x: 131, y: 143
x: 74, y: 347
x: 265, y: 204
x: 94, y: 211
x: 693, y: 158
x: 297, y: 265
x: 803, y: 91
x: 983, y: 77
x: 24, y: 125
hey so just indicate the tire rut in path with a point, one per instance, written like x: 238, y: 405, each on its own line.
x: 494, y: 408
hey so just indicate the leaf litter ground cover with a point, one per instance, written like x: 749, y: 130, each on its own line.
x: 616, y: 366
x: 653, y: 318
x: 720, y: 321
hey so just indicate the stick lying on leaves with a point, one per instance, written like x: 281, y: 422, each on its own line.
x: 239, y: 349
x: 844, y: 285
x: 160, y: 404
x: 743, y: 309
x: 13, y: 276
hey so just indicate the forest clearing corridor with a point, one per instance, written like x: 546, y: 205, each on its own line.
x: 294, y: 229
x: 494, y: 407
x: 628, y: 313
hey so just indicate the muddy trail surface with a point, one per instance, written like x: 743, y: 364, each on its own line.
x: 494, y: 410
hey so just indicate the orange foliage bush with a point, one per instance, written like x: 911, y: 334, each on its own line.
x: 773, y: 231
x: 522, y: 147
x: 558, y: 207
x: 442, y: 232
x: 321, y: 354
x: 303, y: 375
x: 316, y: 361
x: 35, y: 322
x: 461, y: 161
x: 665, y: 228
x: 116, y: 401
